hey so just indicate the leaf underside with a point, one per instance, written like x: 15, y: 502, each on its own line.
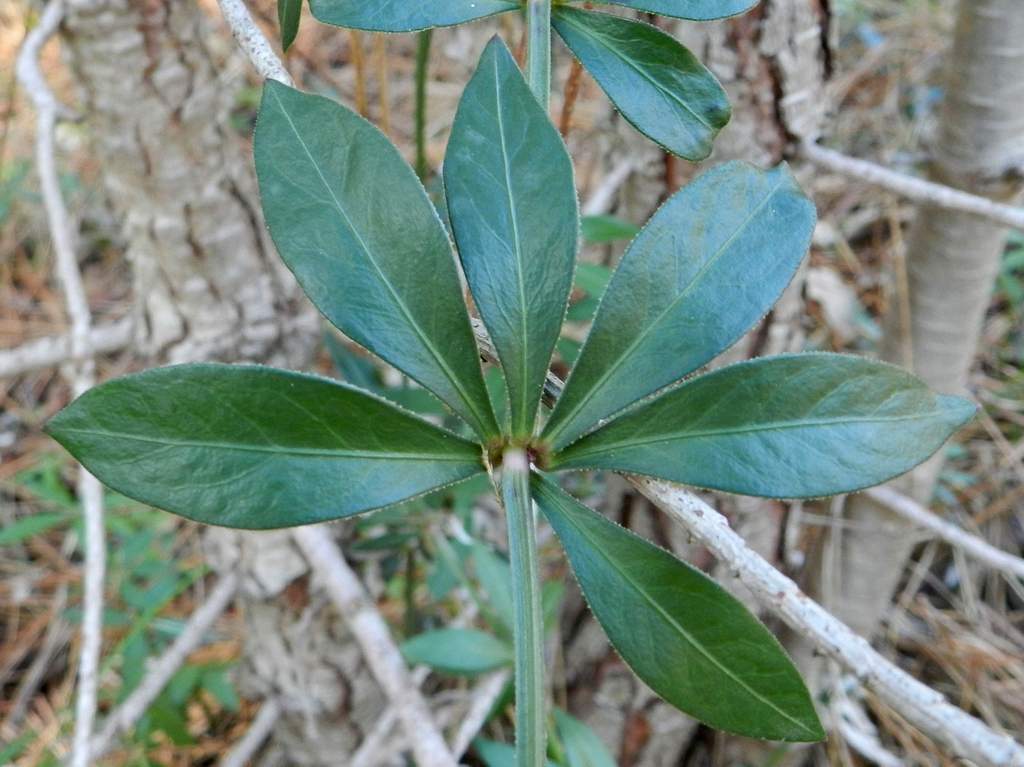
x: 256, y: 448
x: 405, y: 15
x: 709, y: 264
x: 354, y: 224
x: 512, y: 202
x: 795, y: 426
x: 686, y: 637
x: 661, y: 88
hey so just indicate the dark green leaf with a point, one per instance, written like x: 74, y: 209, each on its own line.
x: 695, y: 10
x: 254, y: 447
x: 710, y: 264
x: 796, y: 426
x: 405, y: 15
x: 601, y: 230
x: 512, y: 202
x: 684, y: 635
x: 658, y: 85
x: 582, y: 746
x: 353, y: 222
x: 289, y: 12
x: 458, y: 651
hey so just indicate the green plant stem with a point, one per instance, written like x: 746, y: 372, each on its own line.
x: 538, y: 49
x: 422, y: 66
x: 531, y: 730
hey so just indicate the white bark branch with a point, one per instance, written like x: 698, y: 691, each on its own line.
x: 252, y: 40
x: 245, y: 749
x: 90, y: 493
x: 159, y: 673
x: 374, y: 639
x: 484, y: 695
x: 976, y: 547
x: 56, y: 350
x: 922, y: 706
x: 913, y: 188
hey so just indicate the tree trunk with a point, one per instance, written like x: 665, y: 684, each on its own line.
x: 209, y: 285
x: 952, y: 260
x: 774, y: 63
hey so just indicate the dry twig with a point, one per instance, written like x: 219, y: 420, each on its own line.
x: 245, y: 749
x: 82, y: 375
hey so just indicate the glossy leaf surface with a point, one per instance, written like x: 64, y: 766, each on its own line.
x: 695, y: 10
x: 684, y: 635
x: 795, y: 426
x: 354, y: 224
x: 512, y: 203
x: 289, y: 13
x: 254, y: 447
x: 405, y: 15
x: 458, y: 651
x: 710, y: 264
x: 657, y: 84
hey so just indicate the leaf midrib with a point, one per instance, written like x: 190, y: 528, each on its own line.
x: 753, y: 428
x: 699, y: 647
x: 442, y: 363
x: 603, y: 40
x: 639, y: 339
x: 517, y: 243
x: 272, y: 448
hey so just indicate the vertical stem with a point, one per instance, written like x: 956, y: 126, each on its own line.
x: 422, y: 64
x: 531, y: 730
x: 538, y: 49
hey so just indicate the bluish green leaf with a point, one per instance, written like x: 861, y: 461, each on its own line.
x: 661, y: 88
x: 710, y: 264
x: 684, y: 635
x: 581, y: 745
x: 694, y: 10
x: 405, y: 15
x: 30, y: 526
x: 495, y: 576
x: 354, y: 224
x: 217, y: 682
x: 512, y: 202
x: 254, y: 447
x: 797, y: 426
x: 603, y: 229
x: 494, y: 754
x: 458, y: 651
x: 289, y: 13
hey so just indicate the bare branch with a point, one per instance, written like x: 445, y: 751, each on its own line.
x: 56, y: 350
x: 90, y: 493
x: 484, y: 696
x: 160, y: 672
x: 980, y: 549
x: 253, y: 41
x: 916, y: 189
x: 922, y: 706
x: 245, y: 749
x: 374, y: 639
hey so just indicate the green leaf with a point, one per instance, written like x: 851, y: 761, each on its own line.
x: 694, y: 10
x: 601, y: 230
x: 796, y: 426
x: 684, y: 635
x: 458, y: 651
x: 289, y: 12
x: 509, y: 185
x: 254, y: 447
x: 659, y: 86
x: 405, y: 15
x: 710, y: 264
x: 494, y: 754
x: 495, y: 576
x: 582, y: 746
x: 354, y: 224
x: 30, y: 526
